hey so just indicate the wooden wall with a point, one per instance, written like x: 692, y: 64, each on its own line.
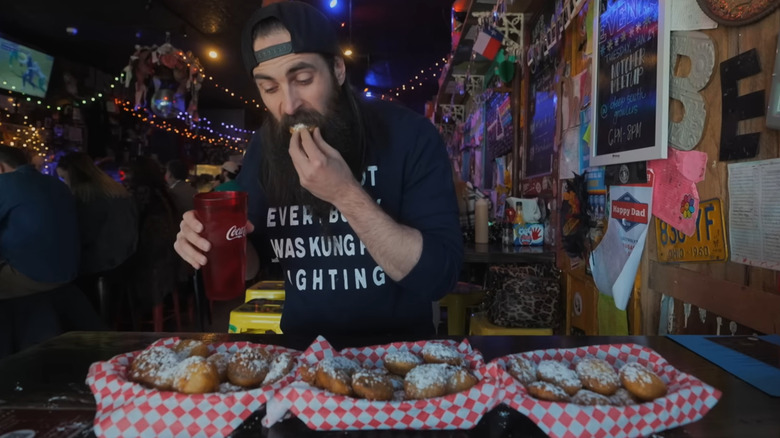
x: 746, y: 295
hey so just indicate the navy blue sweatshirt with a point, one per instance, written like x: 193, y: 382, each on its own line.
x: 332, y: 283
x: 39, y: 235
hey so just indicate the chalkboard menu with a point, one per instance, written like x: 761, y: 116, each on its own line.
x: 542, y: 110
x: 631, y: 81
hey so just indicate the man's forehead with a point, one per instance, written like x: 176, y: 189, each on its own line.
x: 273, y: 45
x: 279, y: 67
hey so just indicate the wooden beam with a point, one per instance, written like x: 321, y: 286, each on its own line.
x: 753, y: 308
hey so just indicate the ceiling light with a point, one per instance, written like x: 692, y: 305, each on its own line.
x: 333, y: 3
x: 348, y: 52
x: 213, y: 54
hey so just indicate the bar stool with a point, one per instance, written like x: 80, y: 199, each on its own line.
x: 464, y: 295
x: 480, y: 325
x: 262, y: 310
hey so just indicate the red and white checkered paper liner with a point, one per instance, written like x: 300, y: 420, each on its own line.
x: 686, y: 401
x: 323, y: 410
x: 128, y: 409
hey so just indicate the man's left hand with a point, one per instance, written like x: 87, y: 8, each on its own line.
x: 321, y: 168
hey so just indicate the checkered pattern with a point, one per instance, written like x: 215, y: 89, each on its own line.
x: 127, y: 409
x: 688, y: 398
x: 322, y: 410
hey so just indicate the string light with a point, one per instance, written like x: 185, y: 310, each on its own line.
x: 432, y: 72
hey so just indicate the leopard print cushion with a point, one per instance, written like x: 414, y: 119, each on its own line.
x: 525, y: 296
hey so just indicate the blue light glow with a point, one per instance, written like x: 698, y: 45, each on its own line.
x: 333, y: 3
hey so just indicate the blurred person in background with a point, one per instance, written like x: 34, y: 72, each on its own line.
x: 228, y: 176
x: 153, y: 267
x: 182, y: 192
x: 39, y: 257
x: 107, y: 218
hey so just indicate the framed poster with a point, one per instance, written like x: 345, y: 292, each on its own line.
x: 630, y: 81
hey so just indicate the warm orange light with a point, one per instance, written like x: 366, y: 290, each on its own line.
x: 348, y: 52
x: 213, y: 54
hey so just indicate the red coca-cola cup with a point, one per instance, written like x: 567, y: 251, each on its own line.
x: 223, y: 215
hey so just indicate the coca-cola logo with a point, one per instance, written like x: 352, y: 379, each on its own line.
x: 236, y: 233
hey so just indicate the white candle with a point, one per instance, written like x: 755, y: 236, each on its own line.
x: 481, y: 221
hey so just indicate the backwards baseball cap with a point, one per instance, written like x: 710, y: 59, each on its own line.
x: 230, y: 166
x: 310, y: 32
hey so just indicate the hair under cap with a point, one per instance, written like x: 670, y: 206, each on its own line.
x: 310, y: 32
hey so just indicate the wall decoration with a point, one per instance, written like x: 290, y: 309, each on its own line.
x: 700, y: 49
x: 543, y: 107
x: 676, y: 198
x: 738, y: 12
x: 773, y: 112
x: 615, y: 261
x: 500, y: 131
x: 706, y: 244
x: 630, y: 81
x: 172, y: 77
x: 736, y: 108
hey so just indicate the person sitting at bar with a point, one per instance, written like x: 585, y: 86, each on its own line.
x: 107, y: 216
x: 153, y: 267
x: 354, y: 195
x: 181, y: 191
x: 39, y: 256
x: 228, y: 176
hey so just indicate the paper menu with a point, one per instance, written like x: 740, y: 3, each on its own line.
x: 754, y: 213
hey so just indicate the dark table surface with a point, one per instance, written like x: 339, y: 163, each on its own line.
x: 495, y: 253
x: 49, y: 378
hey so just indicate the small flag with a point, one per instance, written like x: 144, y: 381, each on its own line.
x: 488, y: 42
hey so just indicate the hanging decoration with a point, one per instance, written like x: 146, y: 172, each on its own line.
x: 166, y: 80
x: 509, y: 25
x: 738, y: 13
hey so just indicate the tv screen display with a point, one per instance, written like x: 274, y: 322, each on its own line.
x: 23, y: 69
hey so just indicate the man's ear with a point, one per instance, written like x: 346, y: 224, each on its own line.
x: 339, y: 70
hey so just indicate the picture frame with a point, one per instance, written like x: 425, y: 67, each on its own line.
x: 630, y: 81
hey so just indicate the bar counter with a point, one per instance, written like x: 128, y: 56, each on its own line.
x: 47, y: 381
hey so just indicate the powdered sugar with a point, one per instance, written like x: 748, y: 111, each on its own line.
x: 229, y: 387
x: 157, y: 365
x: 403, y: 356
x: 220, y: 360
x: 426, y: 375
x: 598, y: 370
x: 634, y: 372
x: 280, y: 366
x: 554, y: 390
x: 556, y: 372
x: 330, y: 365
x: 589, y: 398
x: 370, y: 377
x: 441, y: 352
x: 522, y: 369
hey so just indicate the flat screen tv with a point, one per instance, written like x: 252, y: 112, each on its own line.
x: 23, y: 69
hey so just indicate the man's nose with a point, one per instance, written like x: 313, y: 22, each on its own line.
x: 291, y: 101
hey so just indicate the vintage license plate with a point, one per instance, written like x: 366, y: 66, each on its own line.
x: 708, y: 243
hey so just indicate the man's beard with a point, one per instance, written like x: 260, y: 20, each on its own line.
x: 279, y: 177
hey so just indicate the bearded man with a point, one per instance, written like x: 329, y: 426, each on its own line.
x: 355, y: 197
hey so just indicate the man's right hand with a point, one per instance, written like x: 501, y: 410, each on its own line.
x: 190, y: 245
